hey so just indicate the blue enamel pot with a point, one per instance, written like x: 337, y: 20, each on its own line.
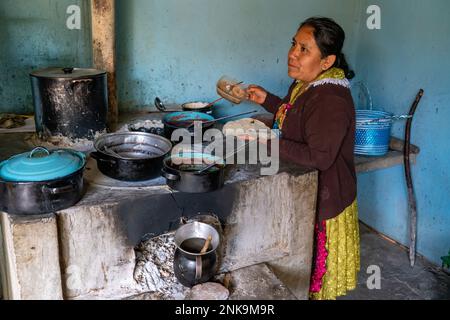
x: 41, y: 181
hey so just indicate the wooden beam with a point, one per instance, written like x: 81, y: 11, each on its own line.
x: 398, y: 145
x: 103, y: 48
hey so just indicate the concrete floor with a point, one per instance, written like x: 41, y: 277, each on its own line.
x: 398, y: 280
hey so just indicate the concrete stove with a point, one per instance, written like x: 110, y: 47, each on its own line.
x: 88, y: 251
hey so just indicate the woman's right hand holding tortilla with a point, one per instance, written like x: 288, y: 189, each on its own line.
x: 256, y: 94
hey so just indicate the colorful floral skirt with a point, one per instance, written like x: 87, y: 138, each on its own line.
x: 336, y: 257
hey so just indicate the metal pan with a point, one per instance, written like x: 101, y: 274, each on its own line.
x: 131, y: 156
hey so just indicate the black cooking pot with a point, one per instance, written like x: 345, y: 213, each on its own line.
x: 182, y: 172
x: 131, y: 156
x: 70, y: 102
x: 41, y: 181
x: 185, y: 120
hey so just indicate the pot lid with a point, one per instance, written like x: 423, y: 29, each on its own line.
x: 67, y: 73
x: 41, y: 164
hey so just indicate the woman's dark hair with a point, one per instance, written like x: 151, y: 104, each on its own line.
x: 330, y: 38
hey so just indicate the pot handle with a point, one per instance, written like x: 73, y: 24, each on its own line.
x: 169, y: 176
x: 198, y: 268
x: 68, y: 70
x: 159, y: 105
x: 59, y: 190
x: 97, y: 156
x: 37, y: 149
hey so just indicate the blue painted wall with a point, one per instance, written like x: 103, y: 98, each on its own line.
x: 411, y: 51
x: 172, y: 49
x: 177, y: 50
x: 33, y: 35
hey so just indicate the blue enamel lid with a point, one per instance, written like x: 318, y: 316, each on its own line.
x: 41, y: 164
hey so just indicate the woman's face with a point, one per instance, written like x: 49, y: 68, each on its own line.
x: 304, y: 59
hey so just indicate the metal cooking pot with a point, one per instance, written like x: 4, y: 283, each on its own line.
x: 70, y: 102
x: 182, y: 173
x: 184, y: 120
x: 131, y: 156
x: 41, y: 181
x: 192, y: 267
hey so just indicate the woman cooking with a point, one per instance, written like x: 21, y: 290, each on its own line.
x: 316, y: 121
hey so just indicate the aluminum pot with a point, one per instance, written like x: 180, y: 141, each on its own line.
x: 70, y: 102
x: 182, y: 172
x: 41, y: 181
x: 191, y: 266
x: 131, y: 156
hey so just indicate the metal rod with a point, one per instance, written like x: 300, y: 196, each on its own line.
x: 212, y: 103
x: 225, y: 158
x: 223, y: 118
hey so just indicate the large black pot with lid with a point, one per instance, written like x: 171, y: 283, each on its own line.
x: 41, y: 181
x: 70, y: 102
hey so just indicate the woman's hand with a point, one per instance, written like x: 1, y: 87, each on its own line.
x: 256, y: 94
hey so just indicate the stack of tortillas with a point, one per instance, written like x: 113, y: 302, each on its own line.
x: 248, y: 129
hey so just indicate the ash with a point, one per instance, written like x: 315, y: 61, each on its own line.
x: 60, y: 141
x: 154, y: 268
x: 142, y: 124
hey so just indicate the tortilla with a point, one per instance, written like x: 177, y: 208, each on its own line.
x: 195, y: 105
x: 248, y: 129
